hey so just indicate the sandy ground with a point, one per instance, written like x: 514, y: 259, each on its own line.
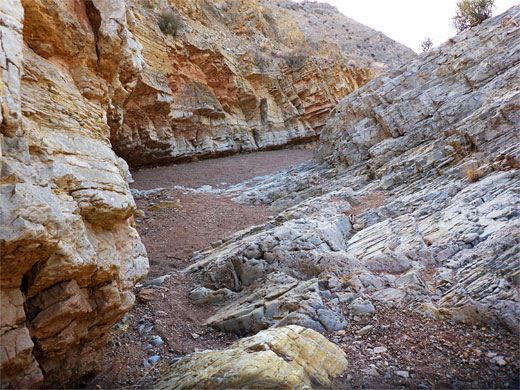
x: 434, y: 354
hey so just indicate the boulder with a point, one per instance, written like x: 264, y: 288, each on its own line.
x: 290, y: 357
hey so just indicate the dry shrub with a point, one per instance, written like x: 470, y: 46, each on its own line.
x: 295, y: 62
x: 473, y: 173
x: 169, y: 22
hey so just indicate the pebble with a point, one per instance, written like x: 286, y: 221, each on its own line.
x: 380, y: 350
x: 362, y: 308
x: 403, y: 374
x: 153, y: 359
x: 364, y: 330
x: 217, y: 243
x: 175, y: 359
x: 499, y: 360
x: 371, y: 371
x: 157, y: 281
x: 156, y: 341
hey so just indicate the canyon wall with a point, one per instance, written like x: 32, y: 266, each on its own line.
x: 69, y: 253
x: 240, y: 76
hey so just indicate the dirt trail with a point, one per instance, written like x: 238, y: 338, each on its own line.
x: 172, y: 231
x: 230, y: 170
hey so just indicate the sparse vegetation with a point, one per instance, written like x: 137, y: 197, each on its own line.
x: 295, y: 62
x: 169, y: 22
x: 473, y: 173
x: 297, y: 58
x: 259, y: 59
x: 471, y: 13
x: 426, y: 44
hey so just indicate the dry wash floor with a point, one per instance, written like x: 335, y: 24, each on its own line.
x: 402, y: 350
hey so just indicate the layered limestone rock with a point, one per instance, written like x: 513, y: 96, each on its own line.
x: 236, y: 76
x: 291, y: 357
x: 457, y: 88
x: 69, y: 252
x: 413, y: 198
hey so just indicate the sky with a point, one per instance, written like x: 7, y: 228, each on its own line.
x: 409, y: 21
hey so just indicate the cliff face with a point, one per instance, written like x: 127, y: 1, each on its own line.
x: 412, y: 200
x: 69, y: 253
x: 237, y: 76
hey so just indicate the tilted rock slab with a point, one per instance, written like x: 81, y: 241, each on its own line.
x: 290, y: 357
x: 468, y: 85
x: 69, y: 253
x: 387, y: 202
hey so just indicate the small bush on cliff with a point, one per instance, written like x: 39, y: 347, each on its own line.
x: 426, y: 44
x: 295, y: 62
x: 473, y: 173
x: 169, y: 22
x: 471, y: 13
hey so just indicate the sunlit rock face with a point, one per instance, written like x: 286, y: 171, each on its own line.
x: 290, y: 357
x: 240, y: 76
x: 412, y: 199
x: 69, y: 252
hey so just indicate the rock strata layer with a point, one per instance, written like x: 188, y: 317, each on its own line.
x: 69, y: 253
x: 291, y: 357
x: 239, y: 76
x: 413, y: 198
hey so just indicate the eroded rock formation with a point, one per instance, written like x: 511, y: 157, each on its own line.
x: 69, y: 253
x: 412, y: 199
x: 239, y: 76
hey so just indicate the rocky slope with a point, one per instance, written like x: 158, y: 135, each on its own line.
x: 69, y: 253
x: 239, y: 76
x: 413, y: 199
x: 327, y: 31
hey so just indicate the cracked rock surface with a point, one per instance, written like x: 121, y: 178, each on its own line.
x: 69, y: 252
x: 290, y: 357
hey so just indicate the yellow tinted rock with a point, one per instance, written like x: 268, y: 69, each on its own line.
x: 291, y: 357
